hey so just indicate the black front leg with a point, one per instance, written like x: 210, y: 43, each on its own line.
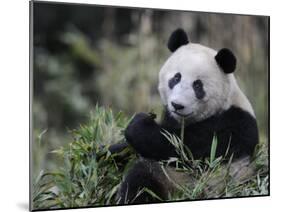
x: 145, y: 136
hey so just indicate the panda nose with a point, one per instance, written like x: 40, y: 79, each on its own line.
x: 177, y: 106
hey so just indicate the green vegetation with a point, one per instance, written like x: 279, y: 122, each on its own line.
x: 215, y: 177
x: 90, y: 175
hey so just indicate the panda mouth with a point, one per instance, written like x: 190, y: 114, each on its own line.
x: 182, y: 115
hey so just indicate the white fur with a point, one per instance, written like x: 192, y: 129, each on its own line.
x: 195, y: 61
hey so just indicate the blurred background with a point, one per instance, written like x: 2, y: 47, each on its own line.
x: 86, y: 55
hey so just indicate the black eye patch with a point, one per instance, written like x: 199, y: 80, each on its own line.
x: 198, y: 89
x: 175, y: 80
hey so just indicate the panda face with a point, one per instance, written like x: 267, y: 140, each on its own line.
x: 192, y: 84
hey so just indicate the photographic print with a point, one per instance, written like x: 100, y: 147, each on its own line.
x: 138, y: 105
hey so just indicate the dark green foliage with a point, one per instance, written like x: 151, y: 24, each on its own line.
x: 216, y: 177
x: 90, y: 175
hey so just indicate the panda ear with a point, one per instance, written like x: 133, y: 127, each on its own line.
x: 177, y: 39
x: 226, y: 60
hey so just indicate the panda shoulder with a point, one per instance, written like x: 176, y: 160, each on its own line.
x: 240, y: 100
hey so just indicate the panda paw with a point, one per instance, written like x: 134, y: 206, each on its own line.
x: 140, y: 125
x: 142, y: 119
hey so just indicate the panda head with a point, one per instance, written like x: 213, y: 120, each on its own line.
x: 196, y: 82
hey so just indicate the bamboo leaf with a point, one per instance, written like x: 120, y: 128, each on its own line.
x: 213, y: 149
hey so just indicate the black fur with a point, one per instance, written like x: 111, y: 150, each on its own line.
x: 119, y: 154
x: 234, y: 128
x: 144, y: 134
x: 143, y: 175
x: 226, y: 60
x: 234, y: 125
x: 198, y: 89
x: 175, y: 80
x: 116, y: 148
x: 177, y: 39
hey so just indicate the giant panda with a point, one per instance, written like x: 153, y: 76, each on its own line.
x: 197, y: 85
